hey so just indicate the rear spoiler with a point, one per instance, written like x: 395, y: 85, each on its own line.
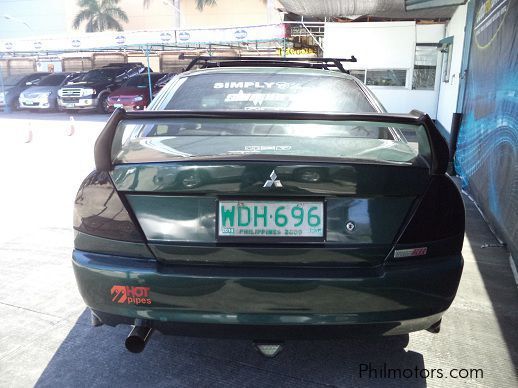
x: 439, y: 147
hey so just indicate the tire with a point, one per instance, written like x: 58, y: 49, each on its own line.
x: 102, y: 104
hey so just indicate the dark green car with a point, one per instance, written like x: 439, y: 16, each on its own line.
x: 268, y: 201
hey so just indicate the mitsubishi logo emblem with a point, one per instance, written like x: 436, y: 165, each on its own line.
x: 273, y: 181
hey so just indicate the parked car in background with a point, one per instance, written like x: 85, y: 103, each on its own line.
x: 268, y: 199
x: 162, y: 82
x: 130, y: 70
x: 134, y: 93
x: 44, y: 95
x: 16, y: 84
x: 90, y: 92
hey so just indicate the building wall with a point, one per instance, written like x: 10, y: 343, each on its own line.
x: 449, y: 91
x: 387, y: 45
x: 487, y: 146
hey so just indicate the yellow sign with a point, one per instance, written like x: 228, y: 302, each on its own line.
x: 297, y: 51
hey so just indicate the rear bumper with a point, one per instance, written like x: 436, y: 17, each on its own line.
x: 279, y: 332
x: 254, y: 302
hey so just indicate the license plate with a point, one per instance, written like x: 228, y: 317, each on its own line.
x: 118, y: 105
x: 69, y: 104
x: 29, y: 102
x: 270, y: 219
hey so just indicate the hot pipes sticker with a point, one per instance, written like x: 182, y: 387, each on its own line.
x: 130, y: 295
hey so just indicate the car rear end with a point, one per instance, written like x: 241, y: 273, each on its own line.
x: 262, y: 223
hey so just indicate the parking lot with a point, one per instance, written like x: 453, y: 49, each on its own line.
x: 46, y: 338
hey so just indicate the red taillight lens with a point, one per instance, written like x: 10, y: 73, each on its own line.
x: 99, y: 211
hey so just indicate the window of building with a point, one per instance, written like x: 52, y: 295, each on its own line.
x: 360, y: 74
x: 425, y: 67
x: 386, y: 77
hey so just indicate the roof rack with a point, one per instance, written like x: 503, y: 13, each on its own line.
x: 315, y: 62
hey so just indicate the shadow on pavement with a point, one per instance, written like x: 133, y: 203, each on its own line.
x: 492, y: 262
x: 95, y: 356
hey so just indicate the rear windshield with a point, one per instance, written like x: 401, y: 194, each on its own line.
x: 169, y: 139
x: 53, y: 80
x: 269, y: 91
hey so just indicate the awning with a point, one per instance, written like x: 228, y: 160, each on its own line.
x: 117, y: 40
x: 378, y: 8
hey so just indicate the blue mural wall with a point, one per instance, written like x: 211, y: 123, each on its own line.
x: 487, y: 147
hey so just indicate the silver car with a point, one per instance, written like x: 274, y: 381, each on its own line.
x: 44, y: 95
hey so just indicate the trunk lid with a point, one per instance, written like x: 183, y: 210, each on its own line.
x: 193, y: 180
x: 177, y: 206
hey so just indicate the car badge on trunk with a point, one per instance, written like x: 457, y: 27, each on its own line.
x: 273, y: 181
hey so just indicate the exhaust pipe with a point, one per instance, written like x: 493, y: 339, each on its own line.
x: 137, y: 338
x: 435, y: 328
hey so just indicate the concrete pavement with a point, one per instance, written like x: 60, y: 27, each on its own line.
x: 46, y: 338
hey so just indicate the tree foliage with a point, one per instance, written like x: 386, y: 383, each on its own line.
x: 202, y: 3
x: 100, y: 15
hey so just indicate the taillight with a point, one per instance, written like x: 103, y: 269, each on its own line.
x: 99, y: 211
x: 437, y: 226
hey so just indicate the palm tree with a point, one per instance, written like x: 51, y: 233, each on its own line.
x: 100, y: 15
x: 199, y: 3
x: 202, y: 3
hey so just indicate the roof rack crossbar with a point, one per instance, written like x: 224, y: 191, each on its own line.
x: 221, y: 61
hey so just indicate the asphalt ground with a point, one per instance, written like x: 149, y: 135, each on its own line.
x: 46, y: 338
